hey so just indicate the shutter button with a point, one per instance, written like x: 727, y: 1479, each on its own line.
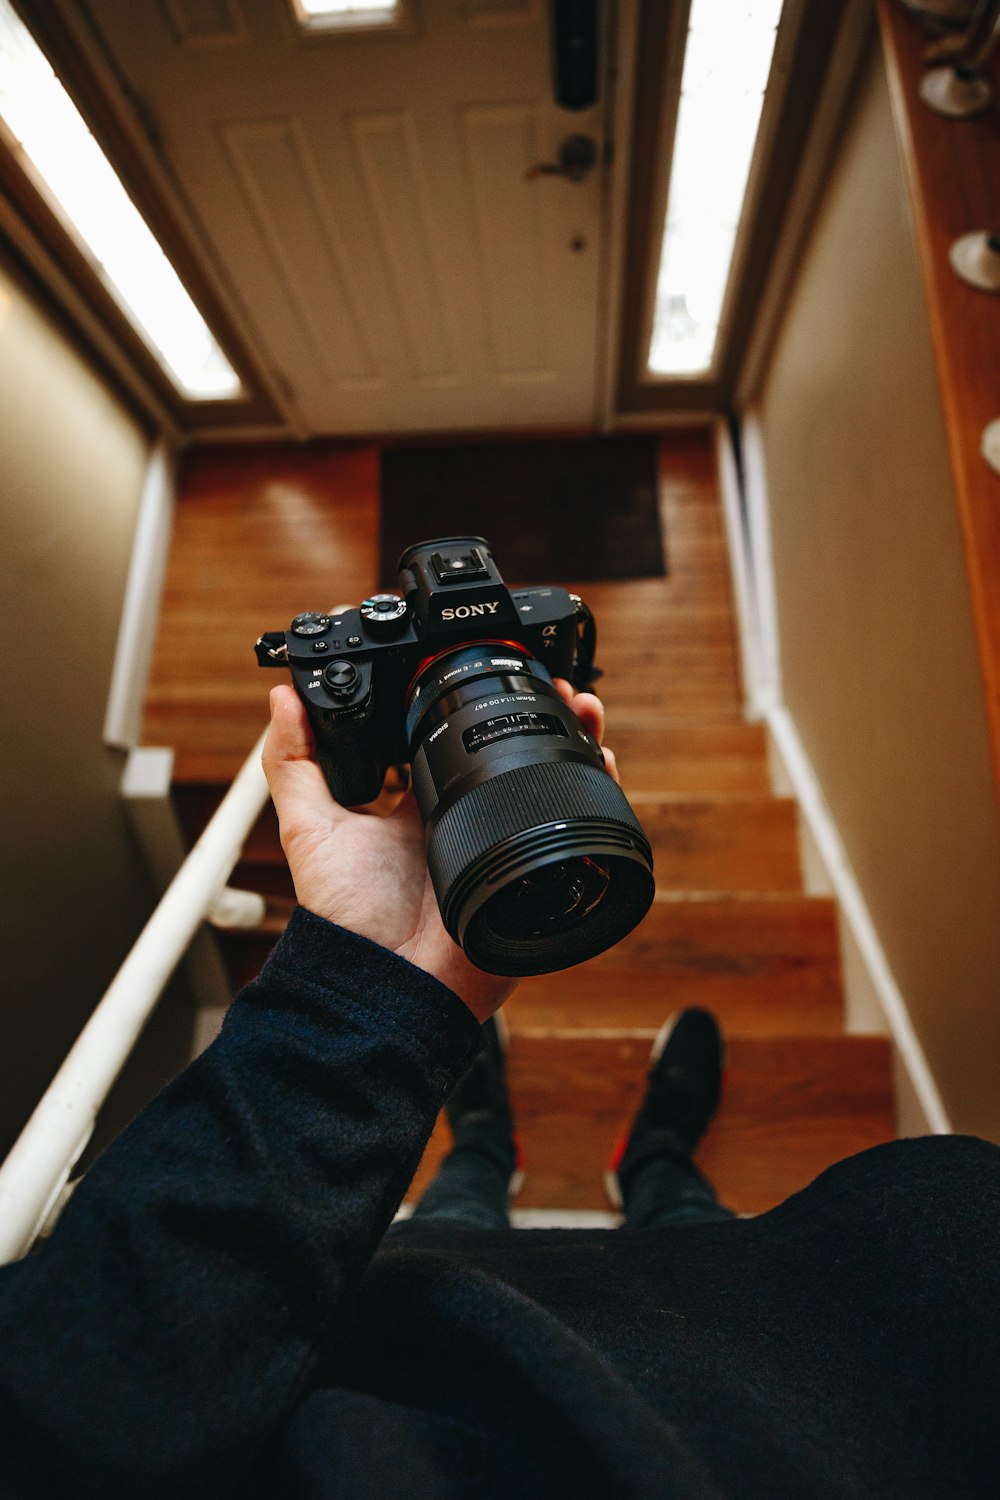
x: 341, y: 678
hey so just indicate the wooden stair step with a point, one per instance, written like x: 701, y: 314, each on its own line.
x: 654, y: 752
x: 261, y: 535
x: 792, y: 1107
x: 721, y: 843
x: 765, y: 966
x: 196, y: 801
x: 727, y: 843
x: 272, y: 879
x: 664, y: 755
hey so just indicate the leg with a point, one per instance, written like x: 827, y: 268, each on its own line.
x: 473, y: 1184
x: 664, y: 1187
x: 471, y: 1189
x: 653, y: 1178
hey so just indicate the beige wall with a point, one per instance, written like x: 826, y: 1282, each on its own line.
x: 74, y: 891
x: 878, y: 652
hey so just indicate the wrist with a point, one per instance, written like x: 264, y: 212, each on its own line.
x: 437, y: 955
x: 484, y: 994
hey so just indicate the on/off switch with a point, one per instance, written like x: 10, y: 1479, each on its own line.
x: 341, y: 679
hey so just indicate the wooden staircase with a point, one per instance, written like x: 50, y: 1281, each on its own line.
x: 730, y: 929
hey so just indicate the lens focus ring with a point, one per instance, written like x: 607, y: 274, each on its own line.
x: 518, y: 800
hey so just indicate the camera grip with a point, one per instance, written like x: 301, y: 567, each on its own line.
x: 350, y: 785
x: 346, y: 753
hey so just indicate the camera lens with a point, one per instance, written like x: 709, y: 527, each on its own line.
x: 549, y: 902
x: 537, y: 859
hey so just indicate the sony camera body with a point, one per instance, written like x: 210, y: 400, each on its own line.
x: 354, y: 670
x: 537, y: 859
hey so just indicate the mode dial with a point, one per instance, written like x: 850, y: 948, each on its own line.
x: 384, y: 614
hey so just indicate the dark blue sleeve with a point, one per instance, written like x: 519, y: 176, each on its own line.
x: 152, y: 1346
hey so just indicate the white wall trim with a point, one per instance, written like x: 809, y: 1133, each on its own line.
x: 148, y: 772
x: 141, y: 607
x: 857, y: 919
x: 760, y: 562
x: 757, y: 690
x: 619, y: 89
x: 145, y: 789
x: 873, y: 999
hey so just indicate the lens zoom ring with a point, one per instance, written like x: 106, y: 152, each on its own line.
x: 517, y: 800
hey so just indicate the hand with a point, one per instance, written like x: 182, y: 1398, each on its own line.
x: 367, y: 870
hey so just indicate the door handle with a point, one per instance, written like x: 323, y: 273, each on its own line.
x: 577, y: 159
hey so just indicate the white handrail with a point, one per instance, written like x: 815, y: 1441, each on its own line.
x: 47, y: 1149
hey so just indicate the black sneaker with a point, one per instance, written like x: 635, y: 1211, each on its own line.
x: 686, y: 1070
x: 481, y: 1093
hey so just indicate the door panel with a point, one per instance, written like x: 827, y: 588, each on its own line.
x: 367, y: 198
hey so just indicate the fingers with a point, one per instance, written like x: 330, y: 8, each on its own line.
x: 590, y: 711
x: 298, y: 788
x: 290, y: 736
x: 587, y: 706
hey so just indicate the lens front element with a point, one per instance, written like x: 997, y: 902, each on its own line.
x: 537, y: 859
x: 549, y: 902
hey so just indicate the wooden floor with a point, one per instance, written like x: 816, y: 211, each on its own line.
x: 265, y: 535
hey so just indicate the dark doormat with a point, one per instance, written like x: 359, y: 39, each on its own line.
x: 561, y: 510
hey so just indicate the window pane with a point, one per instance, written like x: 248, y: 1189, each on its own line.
x: 83, y: 187
x: 727, y: 61
x: 345, y: 12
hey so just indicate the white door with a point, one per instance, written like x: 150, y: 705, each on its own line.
x: 368, y: 196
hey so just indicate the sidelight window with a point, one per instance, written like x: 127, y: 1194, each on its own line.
x: 46, y: 132
x: 727, y: 64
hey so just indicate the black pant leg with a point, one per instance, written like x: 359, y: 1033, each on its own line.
x: 471, y: 1187
x: 661, y: 1186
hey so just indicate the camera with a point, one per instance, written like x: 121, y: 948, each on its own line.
x: 536, y: 857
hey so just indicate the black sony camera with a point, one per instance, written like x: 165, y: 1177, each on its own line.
x: 537, y: 859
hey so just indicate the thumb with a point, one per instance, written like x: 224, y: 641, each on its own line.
x: 299, y: 791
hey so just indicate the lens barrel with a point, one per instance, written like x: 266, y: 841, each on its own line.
x: 537, y: 859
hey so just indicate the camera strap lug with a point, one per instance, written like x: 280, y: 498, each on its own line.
x: 584, y: 671
x: 272, y: 650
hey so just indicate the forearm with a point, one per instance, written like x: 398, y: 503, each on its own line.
x: 179, y: 1308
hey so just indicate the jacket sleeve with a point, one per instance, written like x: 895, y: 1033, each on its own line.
x: 169, y: 1325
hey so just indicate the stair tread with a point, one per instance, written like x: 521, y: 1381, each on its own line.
x: 704, y: 842
x: 766, y: 964
x: 724, y: 842
x: 672, y: 756
x: 792, y: 1107
x: 654, y: 753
